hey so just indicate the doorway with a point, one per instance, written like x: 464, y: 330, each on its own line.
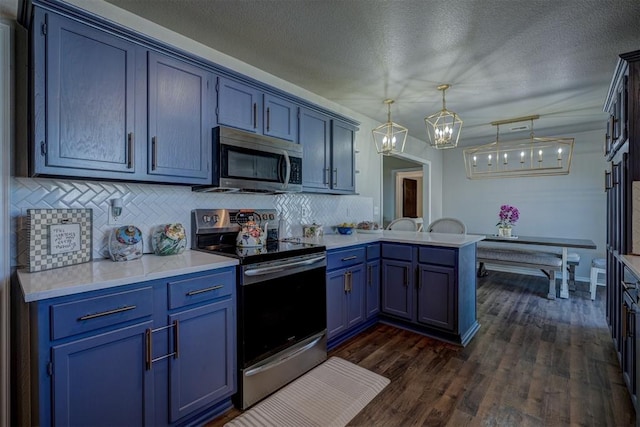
x: 405, y: 188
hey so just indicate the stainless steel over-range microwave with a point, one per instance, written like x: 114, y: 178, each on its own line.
x: 246, y: 162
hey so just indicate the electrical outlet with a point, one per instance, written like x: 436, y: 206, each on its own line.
x: 111, y: 219
x: 304, y: 212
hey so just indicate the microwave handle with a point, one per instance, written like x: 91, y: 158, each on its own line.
x: 287, y: 173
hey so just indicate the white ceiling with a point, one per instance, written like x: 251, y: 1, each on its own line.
x: 503, y: 58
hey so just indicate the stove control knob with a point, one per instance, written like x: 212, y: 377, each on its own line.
x: 206, y: 218
x: 272, y: 217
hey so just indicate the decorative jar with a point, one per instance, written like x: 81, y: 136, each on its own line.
x: 169, y: 239
x: 125, y: 243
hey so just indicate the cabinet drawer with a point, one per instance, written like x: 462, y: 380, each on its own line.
x: 439, y: 256
x: 85, y: 315
x: 202, y: 288
x: 373, y: 251
x: 401, y: 252
x: 345, y: 257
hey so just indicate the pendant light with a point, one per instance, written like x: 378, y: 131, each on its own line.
x: 444, y: 126
x: 389, y: 137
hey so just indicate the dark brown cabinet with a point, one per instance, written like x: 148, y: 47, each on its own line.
x: 622, y: 150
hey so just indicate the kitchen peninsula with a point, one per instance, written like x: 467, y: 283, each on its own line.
x: 424, y: 282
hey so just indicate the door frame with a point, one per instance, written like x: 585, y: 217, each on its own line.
x: 426, y: 184
x: 399, y: 175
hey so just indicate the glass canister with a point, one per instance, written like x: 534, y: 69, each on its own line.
x: 125, y: 243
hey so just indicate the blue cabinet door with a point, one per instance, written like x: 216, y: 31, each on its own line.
x: 280, y: 118
x: 336, y: 303
x: 397, y: 288
x: 343, y: 139
x: 84, y: 100
x: 436, y: 296
x: 179, y: 135
x: 204, y: 371
x: 373, y: 288
x: 356, y: 311
x: 239, y: 105
x: 315, y: 138
x: 101, y: 380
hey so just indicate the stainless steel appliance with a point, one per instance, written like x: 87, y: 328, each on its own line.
x: 281, y: 300
x: 247, y: 162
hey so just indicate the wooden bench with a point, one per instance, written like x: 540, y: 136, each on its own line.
x: 548, y: 263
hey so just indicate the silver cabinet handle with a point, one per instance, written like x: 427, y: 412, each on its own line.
x: 349, y: 258
x: 107, y: 313
x: 255, y: 115
x: 154, y: 152
x: 335, y: 176
x: 268, y: 119
x: 200, y: 291
x: 130, y: 151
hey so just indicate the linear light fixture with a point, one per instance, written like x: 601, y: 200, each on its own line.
x: 519, y: 158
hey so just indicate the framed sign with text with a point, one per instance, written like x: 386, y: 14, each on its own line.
x: 58, y: 237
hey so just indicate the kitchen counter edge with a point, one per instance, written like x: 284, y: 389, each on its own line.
x: 104, y: 273
x: 337, y: 241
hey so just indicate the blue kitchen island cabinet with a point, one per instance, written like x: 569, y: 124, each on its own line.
x: 431, y: 290
x: 156, y: 353
x: 373, y: 280
x: 103, y: 106
x: 346, y: 294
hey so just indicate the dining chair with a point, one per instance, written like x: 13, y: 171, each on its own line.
x: 447, y: 225
x: 404, y: 224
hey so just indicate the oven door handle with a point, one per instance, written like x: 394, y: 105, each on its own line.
x: 281, y: 267
x: 283, y: 359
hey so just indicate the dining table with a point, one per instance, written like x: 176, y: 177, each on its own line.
x: 559, y: 242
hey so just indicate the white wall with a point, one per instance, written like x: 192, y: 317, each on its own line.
x: 570, y: 206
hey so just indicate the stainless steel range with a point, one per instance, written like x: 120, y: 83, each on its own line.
x: 281, y: 300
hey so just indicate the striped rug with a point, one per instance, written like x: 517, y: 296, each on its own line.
x: 329, y: 395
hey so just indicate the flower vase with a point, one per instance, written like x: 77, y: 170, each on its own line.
x: 504, y: 231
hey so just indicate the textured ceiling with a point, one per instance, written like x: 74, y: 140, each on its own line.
x: 503, y: 59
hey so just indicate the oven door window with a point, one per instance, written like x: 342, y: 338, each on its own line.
x: 280, y: 312
x: 245, y: 163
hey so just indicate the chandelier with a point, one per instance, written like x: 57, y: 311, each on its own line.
x: 389, y: 137
x: 525, y: 157
x: 444, y: 126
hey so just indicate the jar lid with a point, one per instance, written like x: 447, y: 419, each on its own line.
x: 128, y: 235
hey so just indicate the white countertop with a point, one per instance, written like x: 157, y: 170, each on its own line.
x: 104, y: 273
x: 633, y: 263
x: 334, y: 241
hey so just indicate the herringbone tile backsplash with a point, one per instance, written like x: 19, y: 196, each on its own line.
x: 149, y: 205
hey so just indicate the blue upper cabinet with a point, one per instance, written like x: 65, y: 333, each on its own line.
x: 280, y: 118
x: 239, y: 105
x: 246, y: 107
x: 179, y: 137
x: 105, y: 107
x: 328, y: 156
x: 343, y: 160
x: 85, y: 86
x: 315, y: 137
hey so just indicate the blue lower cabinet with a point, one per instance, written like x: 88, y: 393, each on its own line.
x: 346, y: 294
x: 397, y: 288
x: 158, y: 353
x: 199, y: 374
x: 102, y: 381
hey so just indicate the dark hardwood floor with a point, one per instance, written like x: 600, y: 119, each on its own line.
x: 534, y: 362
